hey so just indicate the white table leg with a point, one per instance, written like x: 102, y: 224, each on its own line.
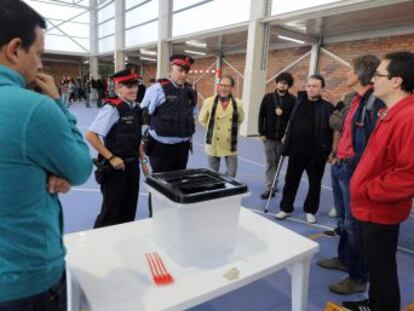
x: 73, y: 291
x: 300, y: 285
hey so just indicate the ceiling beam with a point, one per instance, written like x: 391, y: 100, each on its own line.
x: 371, y: 34
x: 278, y: 30
x: 59, y: 53
x: 69, y: 37
x: 54, y: 26
x: 62, y: 3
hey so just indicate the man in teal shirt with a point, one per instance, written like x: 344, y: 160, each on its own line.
x: 42, y: 153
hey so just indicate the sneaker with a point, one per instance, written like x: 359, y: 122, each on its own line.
x: 332, y: 213
x: 361, y: 305
x: 332, y: 263
x: 332, y: 233
x: 348, y: 286
x: 310, y: 218
x: 266, y: 193
x: 282, y: 215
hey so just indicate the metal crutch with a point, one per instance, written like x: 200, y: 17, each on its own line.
x: 149, y: 205
x: 275, y: 181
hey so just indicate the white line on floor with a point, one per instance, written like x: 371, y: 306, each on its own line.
x: 293, y: 219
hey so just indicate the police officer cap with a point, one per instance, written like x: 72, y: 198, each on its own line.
x: 126, y: 76
x: 182, y: 60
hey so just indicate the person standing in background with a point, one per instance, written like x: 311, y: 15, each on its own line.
x: 308, y: 144
x: 222, y: 115
x: 274, y: 115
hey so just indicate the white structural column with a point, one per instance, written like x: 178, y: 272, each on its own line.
x: 314, y: 58
x: 219, y: 64
x: 164, y: 33
x: 256, y: 63
x: 119, y: 54
x: 93, y: 39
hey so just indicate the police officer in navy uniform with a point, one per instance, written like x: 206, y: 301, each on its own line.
x: 120, y: 150
x: 171, y: 105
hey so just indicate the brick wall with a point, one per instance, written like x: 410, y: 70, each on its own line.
x: 57, y: 70
x: 333, y: 71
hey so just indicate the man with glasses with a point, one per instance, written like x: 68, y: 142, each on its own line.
x: 382, y: 186
x: 222, y: 115
x: 170, y: 106
x: 120, y: 153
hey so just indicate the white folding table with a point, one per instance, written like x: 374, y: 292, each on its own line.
x: 106, y: 267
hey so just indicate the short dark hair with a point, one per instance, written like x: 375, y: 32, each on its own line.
x: 318, y: 77
x: 402, y: 65
x: 285, y: 77
x: 18, y: 20
x: 232, y: 82
x: 364, y: 67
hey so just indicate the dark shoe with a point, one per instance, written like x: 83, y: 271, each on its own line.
x: 332, y: 233
x: 362, y: 305
x: 266, y: 193
x: 332, y: 263
x: 348, y: 286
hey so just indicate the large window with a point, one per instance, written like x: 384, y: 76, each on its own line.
x: 67, y: 24
x: 107, y: 44
x: 106, y: 26
x: 205, y: 15
x: 142, y: 34
x: 280, y: 7
x: 141, y: 22
x: 183, y: 4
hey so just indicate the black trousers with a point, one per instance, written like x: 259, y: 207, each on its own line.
x: 54, y: 299
x: 380, y: 247
x: 120, y: 195
x: 168, y: 157
x: 293, y: 175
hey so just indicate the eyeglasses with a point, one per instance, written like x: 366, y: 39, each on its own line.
x: 379, y: 75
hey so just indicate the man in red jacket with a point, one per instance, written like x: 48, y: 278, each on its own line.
x: 382, y: 186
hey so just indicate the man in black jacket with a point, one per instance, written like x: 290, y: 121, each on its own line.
x: 274, y: 115
x: 308, y: 144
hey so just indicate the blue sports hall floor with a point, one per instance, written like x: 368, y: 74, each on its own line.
x: 82, y: 204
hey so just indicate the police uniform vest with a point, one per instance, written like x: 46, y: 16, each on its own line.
x: 174, y: 118
x: 124, y: 138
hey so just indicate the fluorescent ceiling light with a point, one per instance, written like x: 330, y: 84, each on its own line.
x: 148, y: 52
x: 195, y: 52
x: 196, y: 44
x: 148, y: 58
x: 290, y: 39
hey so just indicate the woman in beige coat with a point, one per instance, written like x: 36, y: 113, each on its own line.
x: 222, y: 129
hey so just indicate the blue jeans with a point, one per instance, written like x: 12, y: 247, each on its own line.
x: 350, y: 251
x: 65, y: 99
x: 54, y: 299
